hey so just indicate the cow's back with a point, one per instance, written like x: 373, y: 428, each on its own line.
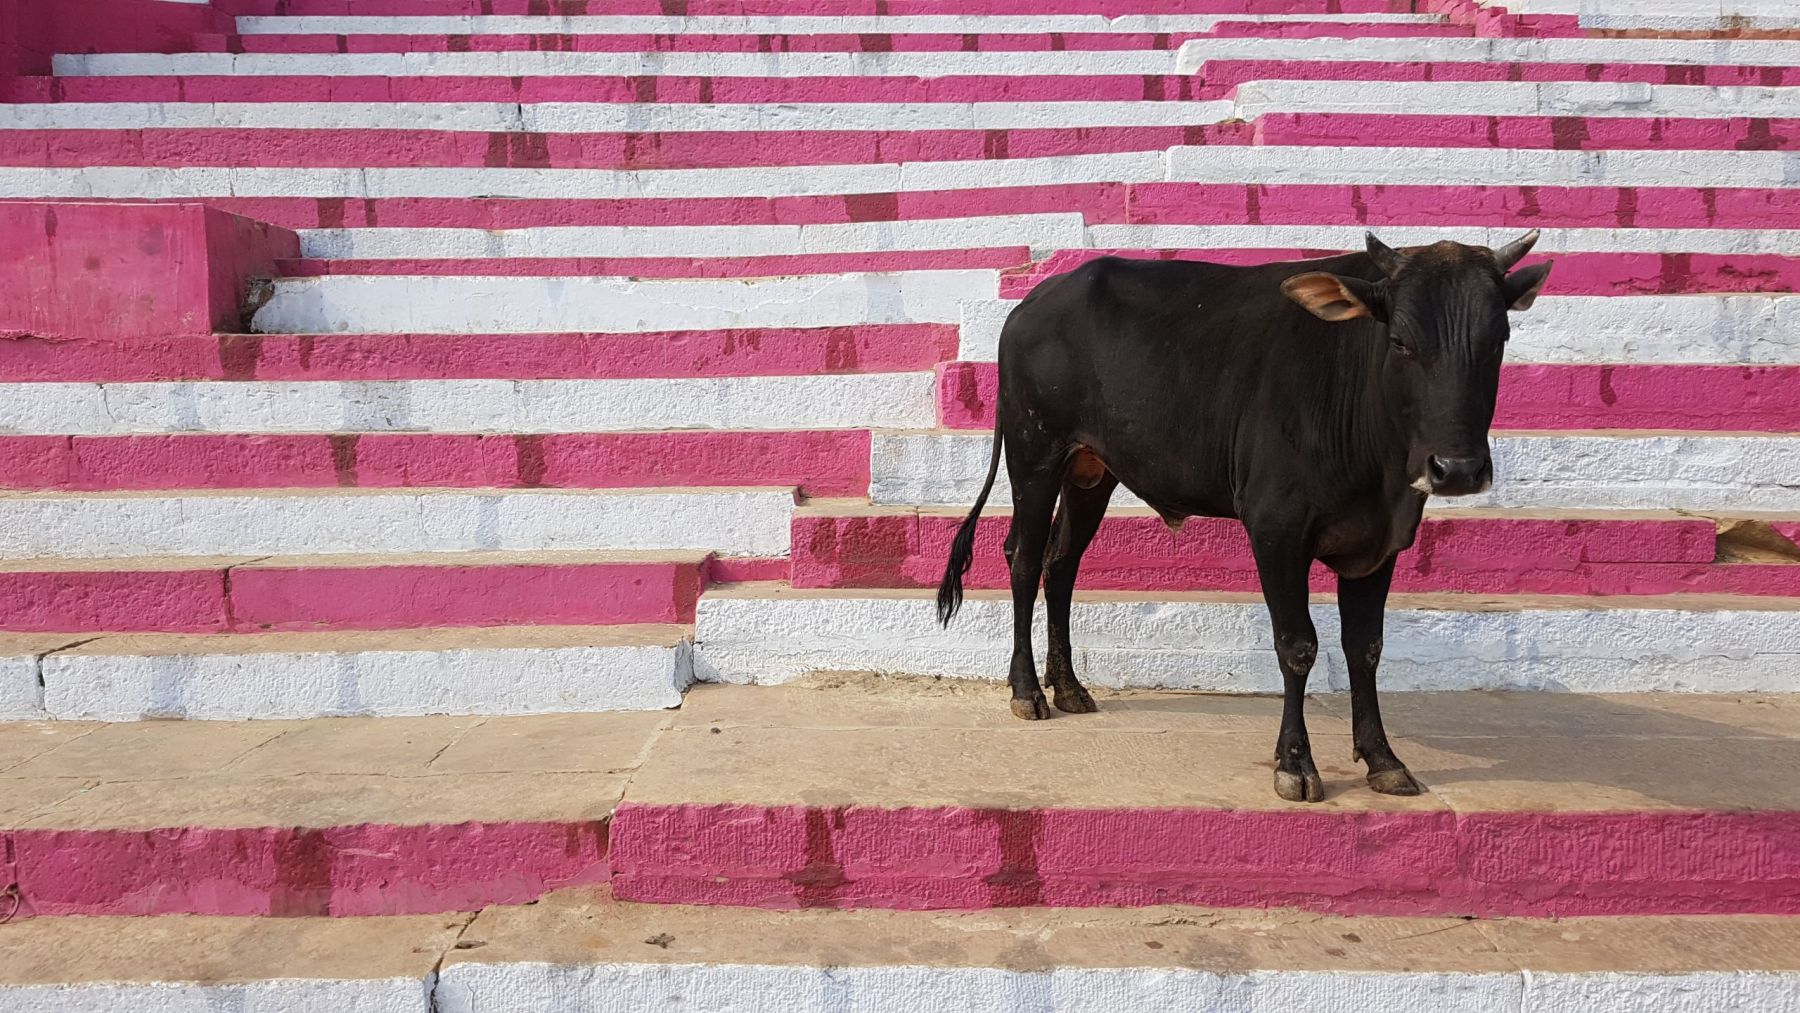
x: 1167, y: 369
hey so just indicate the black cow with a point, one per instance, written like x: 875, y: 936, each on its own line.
x: 1318, y: 401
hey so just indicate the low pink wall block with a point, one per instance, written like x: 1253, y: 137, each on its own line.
x: 1136, y: 553
x: 1433, y: 863
x: 1538, y: 397
x: 86, y: 271
x: 31, y: 31
x: 375, y: 596
x: 365, y: 869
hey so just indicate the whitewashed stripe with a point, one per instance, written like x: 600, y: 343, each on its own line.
x: 781, y: 403
x: 235, y: 684
x: 1226, y: 645
x: 451, y: 305
x: 1253, y: 99
x: 609, y: 117
x: 1715, y: 329
x: 1063, y: 231
x: 549, y: 184
x: 750, y: 522
x: 1223, y: 164
x: 939, y: 64
x: 781, y: 24
x: 1549, y: 470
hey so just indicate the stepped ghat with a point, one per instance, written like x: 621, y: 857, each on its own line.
x: 473, y: 476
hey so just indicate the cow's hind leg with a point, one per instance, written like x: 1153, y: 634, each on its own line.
x: 1282, y: 565
x: 1361, y: 602
x: 1077, y: 518
x: 1034, y: 499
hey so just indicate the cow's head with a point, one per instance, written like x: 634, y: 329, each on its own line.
x: 1443, y: 314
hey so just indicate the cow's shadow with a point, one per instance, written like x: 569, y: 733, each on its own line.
x: 1548, y: 750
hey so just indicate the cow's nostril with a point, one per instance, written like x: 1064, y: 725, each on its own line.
x: 1439, y: 472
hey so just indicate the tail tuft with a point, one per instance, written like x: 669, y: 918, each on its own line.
x: 962, y: 548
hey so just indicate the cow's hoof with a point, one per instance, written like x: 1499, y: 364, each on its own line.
x: 1034, y: 709
x: 1298, y: 787
x: 1074, y: 700
x: 1398, y: 781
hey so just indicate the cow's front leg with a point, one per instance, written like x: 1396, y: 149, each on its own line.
x: 1362, y: 602
x: 1282, y: 562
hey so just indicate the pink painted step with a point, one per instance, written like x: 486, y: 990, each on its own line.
x: 1565, y: 555
x: 1575, y: 274
x: 1589, y: 133
x: 825, y: 42
x: 1538, y: 396
x: 284, y: 147
x: 819, y: 462
x: 349, y: 593
x: 761, y: 351
x: 349, y: 148
x: 817, y: 8
x: 1483, y: 864
x: 994, y: 258
x: 603, y: 88
x: 288, y: 872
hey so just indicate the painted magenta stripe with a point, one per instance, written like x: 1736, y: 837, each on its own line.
x: 807, y: 8
x: 831, y: 42
x: 998, y: 258
x: 358, y: 148
x: 1522, y: 206
x: 819, y: 462
x: 1539, y: 396
x: 1137, y: 553
x: 366, y: 869
x: 1224, y: 74
x: 1589, y: 133
x: 1575, y: 273
x: 766, y: 351
x: 1377, y: 863
x: 412, y: 596
x: 659, y: 88
x: 376, y: 596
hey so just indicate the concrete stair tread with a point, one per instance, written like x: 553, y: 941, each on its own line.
x: 321, y: 773
x: 407, y: 492
x: 844, y: 506
x: 353, y: 641
x: 582, y: 946
x: 480, y: 557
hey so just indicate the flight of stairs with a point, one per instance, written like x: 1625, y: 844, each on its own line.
x: 516, y: 442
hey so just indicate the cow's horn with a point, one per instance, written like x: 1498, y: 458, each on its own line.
x: 1384, y: 257
x: 1515, y: 251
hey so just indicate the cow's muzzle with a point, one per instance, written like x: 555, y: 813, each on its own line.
x: 1459, y: 476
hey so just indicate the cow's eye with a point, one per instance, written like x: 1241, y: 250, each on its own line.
x: 1400, y: 348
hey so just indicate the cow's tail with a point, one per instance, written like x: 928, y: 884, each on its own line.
x: 962, y: 549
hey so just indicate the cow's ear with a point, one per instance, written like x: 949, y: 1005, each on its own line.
x: 1330, y: 297
x: 1522, y: 285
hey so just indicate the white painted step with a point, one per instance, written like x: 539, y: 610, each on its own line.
x: 769, y: 634
x: 405, y: 673
x: 579, y: 950
x: 1252, y: 99
x: 1060, y: 231
x: 782, y: 403
x: 1350, y: 237
x: 1565, y: 471
x: 528, y: 305
x: 747, y: 522
x: 781, y: 24
x: 1717, y: 329
x: 1275, y: 165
